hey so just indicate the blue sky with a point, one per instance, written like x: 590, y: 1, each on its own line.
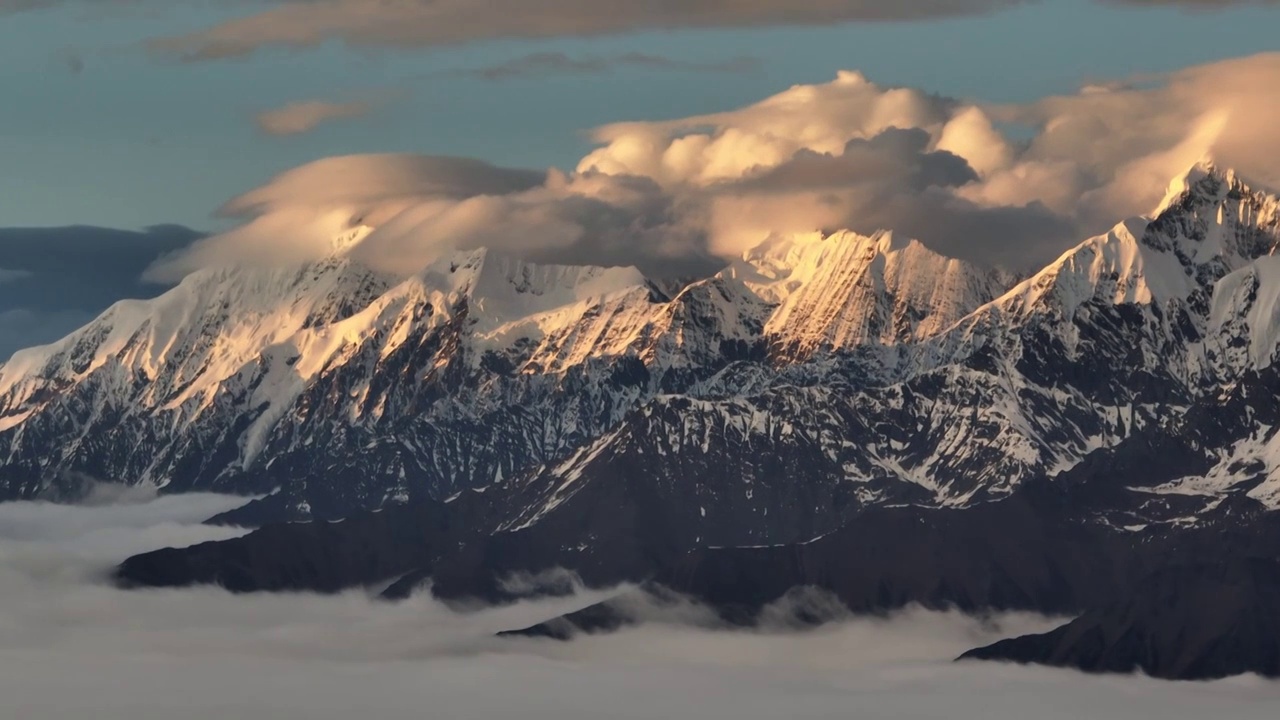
x: 133, y: 140
x: 109, y: 150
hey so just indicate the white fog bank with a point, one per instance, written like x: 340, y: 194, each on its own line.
x: 70, y: 646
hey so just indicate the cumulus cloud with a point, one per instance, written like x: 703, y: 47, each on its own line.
x: 680, y: 196
x: 1108, y: 152
x: 302, y: 117
x: 818, y: 156
x: 724, y: 146
x: 891, y: 180
x: 558, y: 63
x: 845, y: 154
x: 902, y: 155
x: 70, y: 645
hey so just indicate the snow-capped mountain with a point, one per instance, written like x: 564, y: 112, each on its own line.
x: 815, y: 372
x: 853, y: 415
x: 842, y: 291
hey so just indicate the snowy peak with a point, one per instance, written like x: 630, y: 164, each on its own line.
x: 1215, y: 224
x: 233, y: 311
x: 1116, y: 267
x: 1211, y: 225
x: 181, y: 349
x: 1203, y: 182
x: 1244, y: 322
x: 707, y: 322
x: 345, y: 241
x: 842, y: 290
x: 541, y: 318
x: 502, y: 288
x: 1203, y: 178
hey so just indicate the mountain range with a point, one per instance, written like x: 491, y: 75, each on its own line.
x: 857, y: 414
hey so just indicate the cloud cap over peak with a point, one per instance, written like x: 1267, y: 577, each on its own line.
x: 374, y: 178
x: 688, y: 193
x: 422, y: 206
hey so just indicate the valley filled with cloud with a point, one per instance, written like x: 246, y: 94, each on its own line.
x: 72, y: 645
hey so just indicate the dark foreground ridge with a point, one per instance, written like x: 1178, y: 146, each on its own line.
x: 1207, y: 615
x: 316, y: 556
x: 1189, y: 622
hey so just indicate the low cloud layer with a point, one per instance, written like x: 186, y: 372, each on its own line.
x: 682, y: 196
x: 303, y: 117
x: 72, y: 646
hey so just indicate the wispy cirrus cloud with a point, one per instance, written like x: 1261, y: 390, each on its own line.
x: 1201, y: 4
x: 428, y: 23
x: 431, y: 23
x: 16, y: 6
x: 9, y: 275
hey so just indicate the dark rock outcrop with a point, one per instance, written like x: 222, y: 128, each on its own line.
x: 1186, y: 622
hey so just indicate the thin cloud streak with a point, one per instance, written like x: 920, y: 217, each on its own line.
x: 302, y: 117
x: 558, y: 63
x: 422, y: 24
x: 435, y: 23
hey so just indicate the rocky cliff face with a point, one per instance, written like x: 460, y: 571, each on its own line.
x: 1189, y: 622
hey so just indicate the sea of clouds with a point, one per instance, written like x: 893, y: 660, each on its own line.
x: 73, y: 646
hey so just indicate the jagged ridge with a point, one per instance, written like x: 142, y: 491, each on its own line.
x: 888, y: 373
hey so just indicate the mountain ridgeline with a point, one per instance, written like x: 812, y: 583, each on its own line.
x: 857, y: 414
